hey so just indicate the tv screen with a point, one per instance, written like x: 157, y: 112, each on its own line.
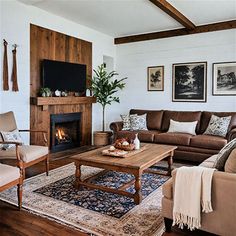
x: 64, y: 76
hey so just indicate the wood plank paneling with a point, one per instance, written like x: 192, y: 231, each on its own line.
x: 49, y: 44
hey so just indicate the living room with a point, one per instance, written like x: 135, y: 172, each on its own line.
x: 103, y: 26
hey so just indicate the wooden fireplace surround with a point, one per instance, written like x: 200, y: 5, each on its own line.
x: 52, y: 45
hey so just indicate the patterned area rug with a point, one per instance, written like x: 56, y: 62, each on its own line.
x: 94, y: 211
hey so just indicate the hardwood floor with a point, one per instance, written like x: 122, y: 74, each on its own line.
x: 23, y: 223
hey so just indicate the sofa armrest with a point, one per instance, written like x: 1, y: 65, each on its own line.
x: 223, y: 189
x: 116, y: 126
x: 231, y: 135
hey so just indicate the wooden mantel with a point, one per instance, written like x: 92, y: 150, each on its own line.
x: 52, y: 101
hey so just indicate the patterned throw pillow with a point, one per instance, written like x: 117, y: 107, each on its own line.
x: 224, y: 154
x: 126, y: 121
x: 138, y: 122
x: 218, y: 126
x: 11, y: 136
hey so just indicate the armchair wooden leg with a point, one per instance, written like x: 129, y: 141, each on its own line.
x: 168, y: 224
x: 47, y: 164
x: 19, y: 194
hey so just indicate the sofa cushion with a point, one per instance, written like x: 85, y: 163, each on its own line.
x: 181, y: 116
x: 154, y: 118
x: 218, y: 126
x: 27, y: 152
x: 138, y: 122
x: 126, y: 121
x: 173, y: 138
x: 143, y: 135
x: 208, y: 142
x: 209, y: 162
x: 224, y: 154
x: 230, y: 165
x: 182, y: 127
x: 8, y: 174
x: 206, y: 116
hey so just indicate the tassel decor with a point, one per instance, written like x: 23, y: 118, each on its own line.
x: 5, y: 67
x: 14, y: 71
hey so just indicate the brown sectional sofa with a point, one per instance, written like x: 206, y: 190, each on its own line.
x: 194, y: 148
x: 219, y: 222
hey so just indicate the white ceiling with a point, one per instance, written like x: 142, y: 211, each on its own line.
x: 126, y: 17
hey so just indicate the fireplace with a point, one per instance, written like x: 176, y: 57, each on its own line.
x: 65, y: 131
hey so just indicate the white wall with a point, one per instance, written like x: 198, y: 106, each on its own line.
x: 133, y: 59
x: 15, y: 19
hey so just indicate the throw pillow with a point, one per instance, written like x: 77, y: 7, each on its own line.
x: 224, y: 154
x: 182, y: 127
x: 138, y: 122
x: 126, y: 121
x: 230, y: 164
x: 218, y: 126
x: 11, y: 136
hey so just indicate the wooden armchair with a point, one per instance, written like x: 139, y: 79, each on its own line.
x: 11, y: 176
x: 29, y: 154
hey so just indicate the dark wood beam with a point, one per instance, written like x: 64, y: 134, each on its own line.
x: 177, y: 32
x: 174, y: 13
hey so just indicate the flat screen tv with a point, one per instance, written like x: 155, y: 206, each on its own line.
x: 64, y: 76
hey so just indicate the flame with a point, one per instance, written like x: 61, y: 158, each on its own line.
x: 60, y: 134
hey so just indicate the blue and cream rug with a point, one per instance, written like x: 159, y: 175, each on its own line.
x: 94, y: 211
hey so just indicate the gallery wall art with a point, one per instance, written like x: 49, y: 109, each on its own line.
x: 189, y: 82
x: 224, y: 78
x: 155, y: 78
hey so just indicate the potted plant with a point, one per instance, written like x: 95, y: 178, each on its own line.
x: 104, y: 87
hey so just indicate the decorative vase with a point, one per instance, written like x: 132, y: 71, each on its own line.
x: 136, y: 142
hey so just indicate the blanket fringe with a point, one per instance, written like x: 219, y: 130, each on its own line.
x: 206, y: 206
x: 183, y: 220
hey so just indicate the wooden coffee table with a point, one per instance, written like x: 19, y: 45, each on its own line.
x: 135, y: 165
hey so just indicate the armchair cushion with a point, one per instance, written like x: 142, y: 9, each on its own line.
x: 8, y: 174
x: 27, y: 152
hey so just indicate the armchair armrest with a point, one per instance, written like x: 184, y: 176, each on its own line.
x: 19, y: 161
x: 231, y: 135
x: 44, y: 132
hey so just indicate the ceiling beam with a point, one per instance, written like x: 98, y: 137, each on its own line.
x: 174, y: 13
x: 177, y: 32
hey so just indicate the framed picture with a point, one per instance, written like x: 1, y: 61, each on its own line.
x: 155, y: 78
x: 189, y: 82
x: 224, y: 78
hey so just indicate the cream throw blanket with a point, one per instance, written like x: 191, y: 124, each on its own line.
x: 192, y: 189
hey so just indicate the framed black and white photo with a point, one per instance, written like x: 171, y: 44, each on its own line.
x: 224, y: 78
x: 189, y: 82
x: 155, y: 78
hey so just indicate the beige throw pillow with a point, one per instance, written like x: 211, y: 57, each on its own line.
x: 182, y: 127
x: 230, y: 165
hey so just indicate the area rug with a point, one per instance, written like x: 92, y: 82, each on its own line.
x: 93, y: 211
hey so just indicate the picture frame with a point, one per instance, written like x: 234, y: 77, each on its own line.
x: 189, y: 82
x: 224, y: 78
x: 155, y: 78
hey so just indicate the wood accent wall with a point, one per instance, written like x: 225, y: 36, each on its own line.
x: 52, y: 45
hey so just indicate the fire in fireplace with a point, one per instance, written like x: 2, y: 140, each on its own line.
x: 65, y: 131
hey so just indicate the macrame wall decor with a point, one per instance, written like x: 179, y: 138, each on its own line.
x: 5, y: 67
x: 14, y: 70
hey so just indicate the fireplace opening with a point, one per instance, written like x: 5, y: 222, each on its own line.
x: 65, y: 131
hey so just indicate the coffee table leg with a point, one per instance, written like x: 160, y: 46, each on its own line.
x: 78, y: 176
x: 170, y: 163
x: 137, y: 185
